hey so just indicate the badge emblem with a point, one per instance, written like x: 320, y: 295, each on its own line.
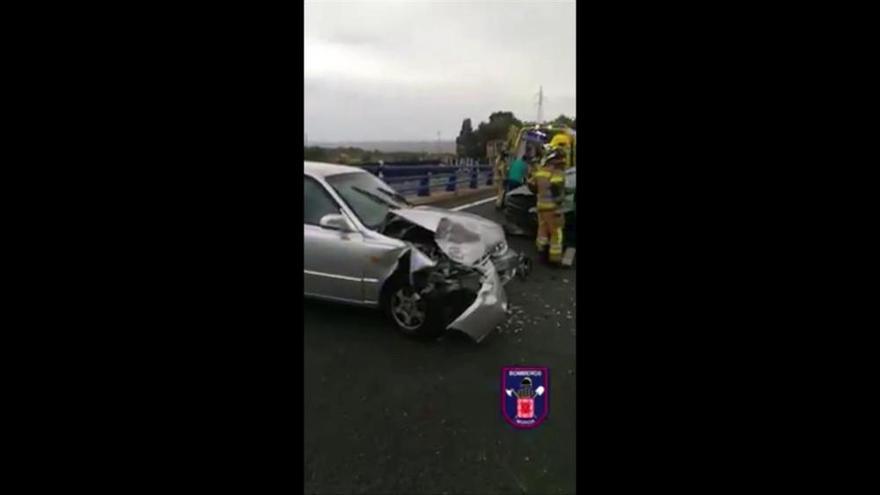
x: 525, y: 396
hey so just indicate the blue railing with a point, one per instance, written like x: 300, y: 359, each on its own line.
x: 421, y: 180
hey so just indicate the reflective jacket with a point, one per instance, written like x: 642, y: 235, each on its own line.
x: 549, y: 187
x: 500, y: 169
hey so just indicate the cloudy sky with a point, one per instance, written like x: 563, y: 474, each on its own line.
x: 406, y: 69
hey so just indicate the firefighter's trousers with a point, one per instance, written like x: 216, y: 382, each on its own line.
x: 499, y: 191
x: 550, y: 226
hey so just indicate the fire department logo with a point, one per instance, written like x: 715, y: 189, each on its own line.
x: 525, y: 396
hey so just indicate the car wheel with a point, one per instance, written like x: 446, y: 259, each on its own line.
x: 525, y: 268
x: 412, y: 314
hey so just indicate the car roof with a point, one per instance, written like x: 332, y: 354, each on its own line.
x: 318, y: 169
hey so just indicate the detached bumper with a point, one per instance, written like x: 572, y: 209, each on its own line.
x: 488, y: 310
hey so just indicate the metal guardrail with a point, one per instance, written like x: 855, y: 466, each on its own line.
x: 421, y: 180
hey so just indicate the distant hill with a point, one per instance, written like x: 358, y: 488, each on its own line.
x: 393, y: 146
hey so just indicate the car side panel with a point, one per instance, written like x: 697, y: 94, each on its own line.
x: 333, y: 263
x: 371, y: 260
x: 380, y: 261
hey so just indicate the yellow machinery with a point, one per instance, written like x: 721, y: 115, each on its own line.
x: 555, y: 136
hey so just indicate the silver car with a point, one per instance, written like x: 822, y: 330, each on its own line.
x: 430, y: 269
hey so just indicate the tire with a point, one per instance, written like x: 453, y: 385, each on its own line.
x: 413, y: 316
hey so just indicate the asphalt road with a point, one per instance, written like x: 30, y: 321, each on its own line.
x: 388, y: 414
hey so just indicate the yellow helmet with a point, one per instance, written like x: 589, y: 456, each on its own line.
x: 561, y: 139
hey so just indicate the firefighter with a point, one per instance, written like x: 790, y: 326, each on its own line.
x: 537, y: 158
x: 500, y: 178
x: 526, y: 388
x: 562, y: 141
x: 548, y: 184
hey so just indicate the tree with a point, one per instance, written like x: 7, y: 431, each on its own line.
x: 564, y: 120
x: 466, y: 142
x: 498, y: 127
x: 315, y: 153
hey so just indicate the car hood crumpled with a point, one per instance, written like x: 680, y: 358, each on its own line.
x: 464, y: 237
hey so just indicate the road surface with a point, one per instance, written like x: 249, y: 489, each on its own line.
x: 388, y: 414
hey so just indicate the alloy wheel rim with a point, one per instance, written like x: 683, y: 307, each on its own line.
x: 408, y: 309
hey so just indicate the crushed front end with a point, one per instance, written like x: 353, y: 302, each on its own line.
x: 463, y: 270
x: 489, y: 308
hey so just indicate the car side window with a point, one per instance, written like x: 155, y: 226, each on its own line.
x: 317, y: 202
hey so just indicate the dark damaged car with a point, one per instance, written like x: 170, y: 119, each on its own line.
x: 430, y: 269
x: 520, y: 210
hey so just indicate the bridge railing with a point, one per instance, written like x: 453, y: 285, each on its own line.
x: 422, y: 180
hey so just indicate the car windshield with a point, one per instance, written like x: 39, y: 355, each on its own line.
x: 370, y: 198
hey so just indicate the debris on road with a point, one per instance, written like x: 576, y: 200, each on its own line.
x: 568, y: 257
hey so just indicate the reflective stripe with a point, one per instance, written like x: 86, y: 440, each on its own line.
x: 545, y: 182
x: 556, y: 245
x: 555, y: 255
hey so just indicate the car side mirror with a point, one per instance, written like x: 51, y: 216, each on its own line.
x: 335, y: 221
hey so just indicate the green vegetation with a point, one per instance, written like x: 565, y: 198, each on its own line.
x: 472, y: 143
x: 357, y: 156
x: 566, y: 121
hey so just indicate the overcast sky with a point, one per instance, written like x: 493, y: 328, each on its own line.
x: 404, y: 70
